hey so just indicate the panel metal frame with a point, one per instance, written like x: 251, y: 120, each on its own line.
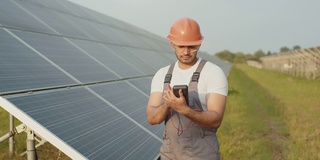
x: 27, y: 120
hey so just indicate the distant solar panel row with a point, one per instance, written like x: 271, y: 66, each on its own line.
x: 89, y: 75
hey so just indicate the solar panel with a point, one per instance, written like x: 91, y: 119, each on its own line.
x: 141, y: 84
x: 80, y: 120
x: 109, y: 58
x: 81, y: 79
x: 68, y: 57
x: 23, y: 69
x: 133, y: 59
x: 60, y: 22
x: 12, y: 15
x: 122, y: 97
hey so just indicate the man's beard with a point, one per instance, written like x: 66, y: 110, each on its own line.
x: 188, y: 60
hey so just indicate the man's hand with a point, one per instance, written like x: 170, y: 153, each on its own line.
x: 177, y: 104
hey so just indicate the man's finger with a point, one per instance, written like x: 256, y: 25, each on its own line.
x: 181, y: 93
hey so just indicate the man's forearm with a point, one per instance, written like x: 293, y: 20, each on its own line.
x: 207, y: 119
x: 157, y: 114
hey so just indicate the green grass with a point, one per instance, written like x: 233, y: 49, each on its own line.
x: 270, y: 116
x: 47, y: 151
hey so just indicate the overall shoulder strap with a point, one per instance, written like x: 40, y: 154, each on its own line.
x: 193, y: 85
x: 167, y: 78
x: 196, y: 75
x: 166, y: 83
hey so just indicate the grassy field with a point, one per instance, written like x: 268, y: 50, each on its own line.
x: 268, y: 116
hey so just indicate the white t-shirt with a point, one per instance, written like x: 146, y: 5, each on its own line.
x: 212, y: 80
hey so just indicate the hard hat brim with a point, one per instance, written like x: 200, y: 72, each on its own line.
x: 189, y: 43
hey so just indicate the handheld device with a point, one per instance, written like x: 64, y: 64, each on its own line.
x: 184, y: 89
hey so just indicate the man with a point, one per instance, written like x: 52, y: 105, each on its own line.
x: 190, y: 130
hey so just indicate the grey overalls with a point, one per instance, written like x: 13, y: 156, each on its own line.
x: 183, y: 139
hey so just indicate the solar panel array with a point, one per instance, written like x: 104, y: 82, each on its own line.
x: 81, y: 79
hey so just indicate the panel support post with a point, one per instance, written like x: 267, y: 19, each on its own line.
x: 31, y: 149
x: 11, y: 139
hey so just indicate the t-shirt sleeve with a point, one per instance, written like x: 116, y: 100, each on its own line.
x: 217, y: 82
x: 158, y: 80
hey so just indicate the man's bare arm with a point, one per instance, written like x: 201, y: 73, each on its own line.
x: 156, y: 110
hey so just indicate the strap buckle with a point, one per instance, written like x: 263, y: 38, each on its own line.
x: 195, y: 77
x: 167, y: 79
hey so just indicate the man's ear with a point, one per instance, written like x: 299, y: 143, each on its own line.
x: 172, y: 46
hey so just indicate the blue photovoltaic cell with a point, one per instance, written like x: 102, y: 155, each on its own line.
x: 134, y: 60
x: 91, y: 30
x: 84, y: 13
x: 88, y: 124
x: 48, y: 4
x: 109, y: 58
x: 56, y: 20
x: 13, y: 16
x: 23, y: 69
x: 155, y: 59
x: 68, y: 57
x: 142, y: 83
x: 128, y: 100
x: 110, y: 33
x: 152, y: 44
x: 133, y: 39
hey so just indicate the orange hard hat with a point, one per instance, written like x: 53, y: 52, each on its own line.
x: 185, y: 32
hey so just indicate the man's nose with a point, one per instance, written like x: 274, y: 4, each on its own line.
x: 186, y: 50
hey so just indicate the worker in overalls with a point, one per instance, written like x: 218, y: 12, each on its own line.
x: 190, y: 126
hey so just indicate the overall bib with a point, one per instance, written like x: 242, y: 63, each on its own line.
x: 183, y: 139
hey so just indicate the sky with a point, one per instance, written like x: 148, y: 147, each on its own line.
x: 235, y: 25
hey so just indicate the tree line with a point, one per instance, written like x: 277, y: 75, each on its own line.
x: 240, y: 57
